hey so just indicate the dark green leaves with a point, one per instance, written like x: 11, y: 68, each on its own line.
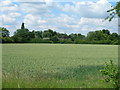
x: 114, y: 11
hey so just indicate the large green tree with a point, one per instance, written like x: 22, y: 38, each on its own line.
x: 98, y: 35
x: 21, y: 35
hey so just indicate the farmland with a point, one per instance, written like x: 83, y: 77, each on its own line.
x: 55, y: 65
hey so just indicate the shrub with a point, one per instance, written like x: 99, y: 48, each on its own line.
x: 111, y: 74
x: 7, y: 40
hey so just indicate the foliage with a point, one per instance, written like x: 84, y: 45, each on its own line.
x: 114, y: 11
x: 98, y: 35
x: 23, y: 35
x: 7, y: 40
x: 111, y: 74
x: 54, y: 39
x: 4, y: 36
x: 4, y: 31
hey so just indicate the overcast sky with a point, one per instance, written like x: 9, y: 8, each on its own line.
x: 78, y: 16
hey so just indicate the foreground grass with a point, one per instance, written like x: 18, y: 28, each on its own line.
x: 55, y: 65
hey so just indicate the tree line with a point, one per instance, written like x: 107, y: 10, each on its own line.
x: 23, y: 35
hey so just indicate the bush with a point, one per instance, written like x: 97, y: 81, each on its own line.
x: 7, y: 40
x: 115, y: 42
x: 68, y: 41
x: 111, y: 74
x: 39, y: 40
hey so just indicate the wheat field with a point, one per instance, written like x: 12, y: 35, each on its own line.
x: 55, y: 65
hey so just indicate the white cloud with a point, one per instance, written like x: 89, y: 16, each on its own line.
x: 15, y: 14
x: 97, y: 24
x: 9, y: 12
x: 88, y: 8
x: 7, y: 6
x: 35, y: 8
x: 71, y: 24
x: 33, y: 0
x: 7, y: 20
x: 5, y: 3
x: 9, y: 9
x: 79, y: 17
x: 33, y: 22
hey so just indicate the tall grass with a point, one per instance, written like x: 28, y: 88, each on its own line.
x: 55, y: 65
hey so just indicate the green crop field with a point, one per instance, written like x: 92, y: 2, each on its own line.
x: 55, y: 65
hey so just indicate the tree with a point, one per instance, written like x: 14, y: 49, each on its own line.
x: 47, y: 34
x: 114, y: 11
x: 81, y: 37
x: 62, y: 35
x: 38, y: 34
x: 22, y: 26
x: 32, y: 34
x: 4, y: 36
x: 4, y: 32
x: 99, y: 37
x: 21, y: 35
x: 54, y: 39
x: 106, y: 31
x: 113, y: 36
x: 73, y: 36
